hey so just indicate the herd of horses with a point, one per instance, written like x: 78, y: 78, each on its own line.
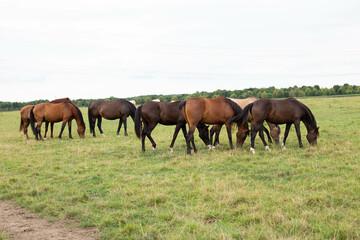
x: 196, y: 112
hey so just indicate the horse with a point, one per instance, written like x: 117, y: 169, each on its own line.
x: 56, y: 112
x: 211, y: 111
x: 25, y: 118
x: 288, y: 111
x: 151, y: 113
x: 274, y: 129
x: 110, y: 110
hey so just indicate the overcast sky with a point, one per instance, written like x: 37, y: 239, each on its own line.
x: 98, y: 49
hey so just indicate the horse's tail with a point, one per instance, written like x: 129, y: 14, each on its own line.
x: 21, y: 124
x: 137, y: 121
x: 182, y: 105
x: 32, y: 121
x: 242, y: 117
x: 132, y: 110
x: 237, y: 109
x: 90, y: 119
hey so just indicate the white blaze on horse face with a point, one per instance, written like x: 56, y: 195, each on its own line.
x: 252, y: 150
x: 267, y: 149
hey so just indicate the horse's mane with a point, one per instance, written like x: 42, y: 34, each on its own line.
x: 237, y: 109
x: 78, y: 111
x: 132, y: 106
x: 311, y: 116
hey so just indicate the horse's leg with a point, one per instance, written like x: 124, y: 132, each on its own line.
x: 212, y: 131
x: 143, y: 136
x: 228, y: 128
x: 38, y: 130
x: 92, y: 126
x: 189, y: 138
x: 52, y: 129
x: 69, y: 126
x: 262, y: 137
x: 176, y: 132
x: 119, y: 127
x: 125, y: 126
x: 25, y: 130
x: 254, y: 130
x: 46, y: 129
x: 149, y: 129
x: 298, y: 133
x: 62, y: 128
x: 99, y: 125
x: 267, y: 133
x: 287, y: 129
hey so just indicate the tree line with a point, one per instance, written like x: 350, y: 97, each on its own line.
x: 270, y: 92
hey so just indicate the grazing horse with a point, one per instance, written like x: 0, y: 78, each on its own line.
x: 110, y: 110
x: 208, y: 110
x: 60, y: 100
x: 288, y: 111
x: 56, y: 112
x: 25, y: 118
x: 274, y: 129
x: 152, y: 113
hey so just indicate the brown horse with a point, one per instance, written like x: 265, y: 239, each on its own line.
x: 110, y: 110
x: 56, y: 112
x: 288, y: 111
x: 208, y: 110
x: 152, y: 113
x: 274, y: 129
x: 25, y: 118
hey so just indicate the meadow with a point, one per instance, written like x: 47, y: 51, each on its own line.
x: 109, y: 183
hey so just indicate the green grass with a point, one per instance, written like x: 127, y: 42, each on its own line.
x: 108, y: 183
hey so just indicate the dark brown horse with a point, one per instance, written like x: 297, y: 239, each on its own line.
x: 119, y: 109
x: 56, y: 112
x: 25, y: 118
x: 288, y: 111
x: 152, y: 113
x: 274, y: 129
x: 211, y: 111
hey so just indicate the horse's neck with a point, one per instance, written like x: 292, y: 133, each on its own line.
x: 309, y: 121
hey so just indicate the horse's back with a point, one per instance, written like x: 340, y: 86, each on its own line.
x: 210, y: 110
x: 277, y: 111
x: 25, y: 112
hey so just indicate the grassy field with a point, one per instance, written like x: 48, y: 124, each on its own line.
x: 108, y: 183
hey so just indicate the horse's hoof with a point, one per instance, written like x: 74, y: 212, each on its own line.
x: 283, y: 146
x: 267, y: 149
x: 154, y: 149
x: 252, y: 150
x: 209, y: 146
x: 171, y: 150
x: 213, y: 147
x: 103, y: 135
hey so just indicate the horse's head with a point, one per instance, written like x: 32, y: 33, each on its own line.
x: 204, y: 133
x: 81, y: 131
x: 275, y: 133
x: 243, y: 131
x: 312, y: 136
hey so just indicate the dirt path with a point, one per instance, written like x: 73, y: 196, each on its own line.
x: 20, y: 223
